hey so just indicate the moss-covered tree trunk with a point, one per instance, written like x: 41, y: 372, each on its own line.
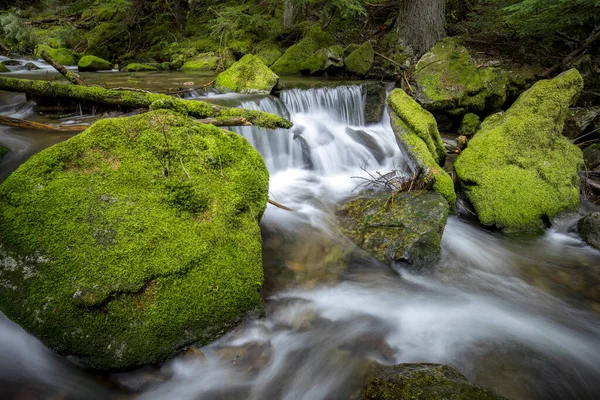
x: 421, y: 23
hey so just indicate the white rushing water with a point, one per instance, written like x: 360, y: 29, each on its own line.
x: 512, y: 314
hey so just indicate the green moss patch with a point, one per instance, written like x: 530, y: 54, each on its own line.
x: 202, y: 62
x: 93, y: 63
x: 139, y: 67
x: 469, y: 125
x: 133, y: 239
x: 328, y: 59
x: 3, y: 151
x: 290, y: 62
x: 359, y: 62
x: 248, y: 75
x: 62, y: 56
x: 518, y: 168
x: 3, y: 68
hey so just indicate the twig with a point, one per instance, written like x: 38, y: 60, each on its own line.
x: 392, y: 61
x: 276, y: 204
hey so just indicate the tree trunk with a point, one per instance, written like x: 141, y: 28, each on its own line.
x: 421, y: 23
x: 288, y: 14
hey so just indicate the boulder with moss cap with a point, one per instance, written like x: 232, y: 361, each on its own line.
x: 290, y: 62
x: 93, y: 63
x: 359, y: 62
x: 519, y: 169
x: 248, y: 75
x: 133, y: 239
x: 449, y: 80
x: 418, y: 137
x: 62, y: 55
x: 325, y: 60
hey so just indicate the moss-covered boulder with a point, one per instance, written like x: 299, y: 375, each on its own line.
x: 133, y: 239
x: 325, y: 60
x: 469, y: 125
x: 139, y: 67
x: 269, y: 54
x: 589, y: 229
x: 62, y: 56
x: 404, y: 227
x: 93, y: 63
x: 359, y: 62
x: 202, y: 62
x: 449, y: 80
x: 290, y: 62
x: 248, y: 75
x: 3, y: 68
x: 591, y: 156
x: 418, y: 137
x: 519, y: 169
x: 422, y: 382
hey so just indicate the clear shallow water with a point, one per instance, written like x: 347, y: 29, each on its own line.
x: 519, y: 315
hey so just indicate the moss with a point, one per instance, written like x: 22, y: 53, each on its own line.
x: 291, y: 60
x: 400, y: 227
x: 134, y: 239
x: 248, y: 75
x: 359, y: 62
x: 469, y: 124
x: 62, y: 56
x: 139, y: 67
x: 449, y: 79
x: 417, y: 135
x: 518, y: 168
x: 350, y: 48
x: 591, y: 156
x: 202, y: 62
x: 3, y: 151
x: 423, y: 382
x: 330, y: 58
x: 93, y: 63
x: 3, y: 68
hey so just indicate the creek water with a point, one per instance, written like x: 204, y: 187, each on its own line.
x: 518, y: 315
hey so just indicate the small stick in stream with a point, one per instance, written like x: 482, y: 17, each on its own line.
x: 70, y: 75
x: 276, y: 204
x: 21, y: 123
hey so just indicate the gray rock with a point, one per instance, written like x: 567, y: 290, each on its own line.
x: 589, y: 229
x: 578, y: 120
x: 374, y: 103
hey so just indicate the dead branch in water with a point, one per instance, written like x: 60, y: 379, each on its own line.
x: 276, y: 204
x: 21, y: 123
x: 70, y: 75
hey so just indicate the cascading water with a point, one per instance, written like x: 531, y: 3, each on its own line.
x: 517, y: 315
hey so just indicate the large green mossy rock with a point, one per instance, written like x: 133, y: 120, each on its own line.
x: 62, y: 56
x: 406, y: 227
x: 248, y: 75
x: 449, y: 80
x: 291, y: 61
x: 93, y: 63
x: 589, y: 229
x: 324, y: 60
x: 133, y: 239
x: 202, y: 62
x: 359, y: 62
x: 422, y: 382
x: 419, y: 139
x: 269, y: 54
x: 139, y: 67
x: 519, y: 169
x: 3, y: 68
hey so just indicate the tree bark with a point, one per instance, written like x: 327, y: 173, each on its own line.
x: 22, y: 123
x: 133, y: 99
x: 70, y: 75
x: 421, y: 23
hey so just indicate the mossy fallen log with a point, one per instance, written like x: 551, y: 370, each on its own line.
x: 134, y: 99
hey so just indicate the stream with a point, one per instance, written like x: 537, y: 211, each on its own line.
x: 518, y: 315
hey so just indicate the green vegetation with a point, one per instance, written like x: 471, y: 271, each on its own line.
x: 134, y: 239
x: 62, y: 56
x: 93, y: 63
x: 139, y: 67
x: 469, y: 124
x: 248, y: 75
x: 3, y: 68
x: 202, y: 62
x: 518, y: 168
x: 3, y: 151
x: 360, y: 60
x: 291, y: 60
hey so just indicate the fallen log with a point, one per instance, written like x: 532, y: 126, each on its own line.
x: 133, y: 99
x: 70, y: 75
x: 22, y: 123
x: 588, y: 42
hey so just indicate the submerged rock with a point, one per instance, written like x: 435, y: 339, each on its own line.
x: 248, y: 75
x: 62, y: 56
x: 449, y: 80
x: 133, y: 239
x: 418, y: 137
x: 359, y: 62
x: 291, y: 61
x: 324, y: 60
x: 589, y: 229
x: 93, y: 63
x: 403, y: 227
x: 518, y: 168
x: 139, y: 67
x: 423, y: 382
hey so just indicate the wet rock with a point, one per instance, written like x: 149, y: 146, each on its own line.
x: 93, y: 63
x: 194, y: 353
x: 139, y: 380
x: 401, y: 227
x: 423, y: 382
x: 3, y: 68
x: 119, y: 250
x: 368, y: 141
x: 3, y: 151
x: 374, y: 102
x: 359, y: 62
x: 291, y: 61
x: 248, y: 75
x: 589, y: 229
x: 449, y: 80
x: 469, y: 125
x: 579, y: 120
x: 591, y: 156
x: 31, y: 66
x: 518, y: 169
x: 327, y: 60
x: 11, y: 63
x: 418, y: 137
x: 461, y: 142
